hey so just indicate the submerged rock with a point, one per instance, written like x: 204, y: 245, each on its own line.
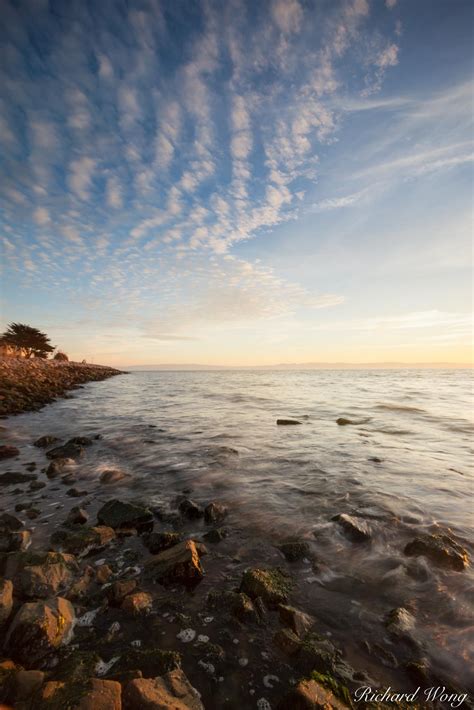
x: 295, y: 551
x: 342, y: 421
x: 117, y: 592
x: 287, y: 422
x: 68, y: 451
x: 39, y: 628
x: 82, y: 541
x: 190, y: 509
x: 8, y: 452
x: 119, y: 514
x: 355, y: 530
x: 440, y: 549
x: 296, y: 620
x: 157, y: 542
x: 150, y: 662
x: 11, y: 478
x: 172, y: 691
x: 216, y: 535
x: 6, y: 599
x: 44, y: 441
x: 79, y: 441
x: 180, y: 563
x: 112, y: 476
x: 214, y: 513
x: 400, y: 623
x: 77, y: 516
x: 269, y: 584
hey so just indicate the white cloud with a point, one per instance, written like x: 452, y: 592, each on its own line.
x: 113, y: 193
x: 336, y: 203
x: 106, y: 70
x: 390, y: 4
x: 41, y: 216
x: 288, y: 15
x: 388, y: 57
x: 80, y: 177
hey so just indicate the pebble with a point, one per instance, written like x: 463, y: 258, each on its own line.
x: 263, y: 704
x: 208, y: 667
x: 270, y: 680
x: 186, y: 635
x: 243, y: 662
x: 137, y: 643
x: 202, y: 638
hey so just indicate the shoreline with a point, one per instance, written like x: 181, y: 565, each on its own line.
x: 28, y: 385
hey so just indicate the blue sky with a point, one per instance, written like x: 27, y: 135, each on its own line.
x: 239, y: 182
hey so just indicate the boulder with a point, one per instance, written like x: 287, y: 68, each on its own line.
x: 39, y: 628
x: 440, y: 549
x: 296, y: 620
x: 8, y: 452
x: 317, y: 654
x: 119, y: 514
x: 272, y: 585
x: 401, y: 624
x: 81, y: 541
x: 157, y: 542
x: 310, y: 695
x: 44, y: 441
x: 190, y: 509
x: 180, y: 563
x: 68, y: 451
x: 26, y: 685
x: 295, y: 550
x: 137, y: 603
x: 172, y: 691
x: 214, y: 513
x: 40, y: 574
x: 287, y: 422
x: 6, y: 600
x: 354, y: 530
x: 101, y: 695
x: 112, y: 476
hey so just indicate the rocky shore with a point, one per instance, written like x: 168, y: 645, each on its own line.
x: 27, y: 385
x: 128, y: 605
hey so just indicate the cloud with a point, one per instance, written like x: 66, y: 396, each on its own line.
x: 336, y: 203
x: 80, y: 177
x: 41, y: 216
x: 287, y: 15
x: 390, y: 4
x: 114, y: 193
x: 388, y: 57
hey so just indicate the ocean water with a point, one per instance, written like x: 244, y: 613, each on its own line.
x: 215, y: 433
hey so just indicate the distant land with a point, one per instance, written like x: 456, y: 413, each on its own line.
x: 311, y: 366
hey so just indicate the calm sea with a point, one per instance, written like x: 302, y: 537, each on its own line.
x: 216, y: 433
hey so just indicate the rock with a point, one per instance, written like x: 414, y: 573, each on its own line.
x: 375, y: 459
x: 317, y: 654
x: 8, y: 452
x: 157, y: 542
x: 44, y: 441
x: 102, y: 695
x: 39, y: 628
x: 112, y: 476
x: 82, y: 541
x: 342, y: 421
x: 287, y: 641
x: 9, y: 523
x: 440, y: 549
x: 214, y: 513
x: 180, y: 563
x: 33, y: 513
x: 27, y: 684
x: 151, y: 661
x: 137, y: 603
x: 103, y: 574
x: 15, y: 541
x: 8, y: 671
x: 236, y: 603
x: 77, y: 516
x: 296, y: 620
x: 310, y: 695
x: 93, y: 695
x: 216, y: 535
x: 43, y: 574
x: 287, y: 422
x: 6, y: 599
x: 172, y: 691
x: 79, y: 441
x: 12, y: 478
x: 36, y: 485
x: 295, y: 551
x: 354, y: 530
x: 190, y: 509
x: 118, y: 514
x: 76, y: 493
x: 81, y: 589
x: 117, y: 592
x: 400, y: 623
x: 269, y: 584
x: 68, y: 451
x: 57, y: 466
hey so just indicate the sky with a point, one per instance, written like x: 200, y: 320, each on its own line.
x: 238, y: 183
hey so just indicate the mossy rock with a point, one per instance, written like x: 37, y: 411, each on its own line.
x: 76, y: 666
x: 339, y: 690
x: 272, y: 585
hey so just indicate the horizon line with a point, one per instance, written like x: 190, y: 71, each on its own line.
x: 307, y: 365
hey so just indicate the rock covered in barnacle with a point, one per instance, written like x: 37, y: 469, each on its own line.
x: 441, y: 549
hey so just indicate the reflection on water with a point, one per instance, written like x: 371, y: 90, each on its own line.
x: 405, y: 467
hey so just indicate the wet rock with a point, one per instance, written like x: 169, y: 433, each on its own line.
x: 82, y: 588
x: 79, y: 441
x: 296, y: 620
x: 342, y: 421
x: 15, y: 541
x: 400, y: 623
x: 172, y: 691
x: 237, y: 603
x: 39, y: 628
x: 269, y: 584
x: 8, y: 452
x: 119, y: 514
x: 44, y: 574
x: 287, y: 641
x: 76, y: 493
x: 295, y: 551
x: 56, y: 467
x: 180, y: 563
x: 112, y: 476
x: 216, y: 535
x: 12, y: 478
x: 214, y: 513
x: 375, y: 459
x: 150, y: 661
x: 354, y: 530
x: 36, y: 485
x: 287, y: 422
x: 157, y: 542
x: 44, y: 441
x: 33, y: 513
x: 82, y: 541
x: 9, y: 523
x: 440, y: 549
x: 103, y: 574
x: 26, y: 685
x: 310, y: 695
x: 317, y: 654
x: 77, y: 516
x: 137, y: 603
x: 96, y: 694
x: 68, y: 451
x: 8, y: 671
x: 6, y: 600
x: 120, y: 589
x: 190, y: 509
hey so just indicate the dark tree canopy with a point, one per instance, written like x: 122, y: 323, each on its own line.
x: 29, y: 339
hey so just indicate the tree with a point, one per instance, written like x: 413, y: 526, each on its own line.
x: 26, y: 338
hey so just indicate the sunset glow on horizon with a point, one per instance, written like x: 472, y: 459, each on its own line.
x: 239, y: 183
